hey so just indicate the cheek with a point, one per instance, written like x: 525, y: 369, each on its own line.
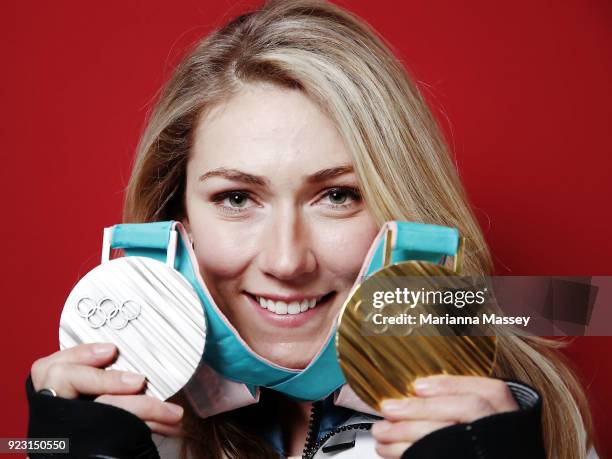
x: 221, y: 250
x: 343, y: 249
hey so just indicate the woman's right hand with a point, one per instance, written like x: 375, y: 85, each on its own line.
x: 78, y: 370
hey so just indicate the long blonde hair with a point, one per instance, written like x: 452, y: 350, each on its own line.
x: 399, y: 154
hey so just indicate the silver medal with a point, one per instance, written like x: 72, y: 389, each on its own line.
x: 148, y: 310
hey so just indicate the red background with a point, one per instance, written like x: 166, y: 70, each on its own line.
x: 521, y: 89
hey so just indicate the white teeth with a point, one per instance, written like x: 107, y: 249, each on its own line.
x: 280, y: 307
x: 293, y: 308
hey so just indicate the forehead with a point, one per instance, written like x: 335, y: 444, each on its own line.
x: 265, y: 126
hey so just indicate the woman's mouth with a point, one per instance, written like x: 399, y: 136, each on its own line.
x: 289, y: 308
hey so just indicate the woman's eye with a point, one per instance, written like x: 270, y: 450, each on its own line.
x: 237, y: 200
x: 232, y: 201
x: 342, y: 197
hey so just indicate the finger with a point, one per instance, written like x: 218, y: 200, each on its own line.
x: 494, y: 390
x: 450, y: 408
x: 405, y: 431
x: 94, y: 354
x: 70, y: 380
x: 147, y: 408
x: 391, y: 450
x: 166, y: 430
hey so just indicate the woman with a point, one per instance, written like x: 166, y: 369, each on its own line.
x: 283, y: 142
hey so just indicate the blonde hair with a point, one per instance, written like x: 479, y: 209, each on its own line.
x: 399, y: 154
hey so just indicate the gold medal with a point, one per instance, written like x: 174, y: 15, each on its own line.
x: 382, y: 360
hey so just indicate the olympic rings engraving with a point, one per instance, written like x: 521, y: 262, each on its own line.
x: 106, y: 311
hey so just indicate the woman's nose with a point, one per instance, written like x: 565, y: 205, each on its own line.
x: 287, y: 251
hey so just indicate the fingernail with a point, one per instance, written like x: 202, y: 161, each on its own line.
x: 392, y: 405
x: 132, y: 379
x: 423, y: 386
x: 175, y: 409
x: 103, y: 349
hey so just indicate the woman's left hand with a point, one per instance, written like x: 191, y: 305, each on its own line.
x: 440, y: 401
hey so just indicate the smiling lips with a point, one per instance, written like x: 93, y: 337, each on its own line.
x: 289, y: 307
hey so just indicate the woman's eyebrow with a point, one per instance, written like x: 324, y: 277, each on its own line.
x: 326, y: 174
x: 236, y: 175
x: 240, y: 176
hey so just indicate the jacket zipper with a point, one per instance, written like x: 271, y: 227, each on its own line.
x: 312, y: 445
x: 309, y: 454
x: 311, y: 437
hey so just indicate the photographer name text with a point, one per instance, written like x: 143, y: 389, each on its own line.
x: 447, y: 319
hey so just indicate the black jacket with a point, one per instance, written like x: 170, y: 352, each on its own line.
x: 104, y: 431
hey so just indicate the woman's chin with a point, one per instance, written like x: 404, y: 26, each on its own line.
x: 289, y: 356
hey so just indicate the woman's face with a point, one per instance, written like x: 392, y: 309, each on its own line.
x: 279, y: 228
